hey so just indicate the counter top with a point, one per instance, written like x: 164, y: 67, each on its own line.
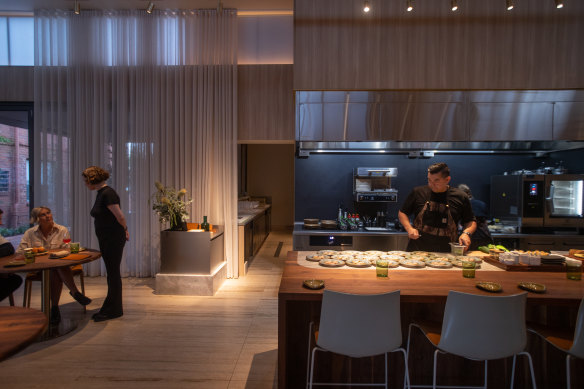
x: 245, y: 217
x: 300, y: 230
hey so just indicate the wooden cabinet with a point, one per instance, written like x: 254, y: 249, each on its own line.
x: 251, y: 236
x: 265, y: 103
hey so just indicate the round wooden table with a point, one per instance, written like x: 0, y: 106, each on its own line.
x: 19, y: 327
x: 44, y: 264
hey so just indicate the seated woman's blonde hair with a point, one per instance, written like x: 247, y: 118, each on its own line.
x: 34, y: 214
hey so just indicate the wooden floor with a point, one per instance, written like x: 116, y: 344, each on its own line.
x: 225, y: 341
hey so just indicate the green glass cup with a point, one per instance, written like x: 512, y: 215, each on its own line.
x: 381, y: 268
x: 468, y: 269
x: 74, y: 246
x: 28, y: 256
x: 573, y: 269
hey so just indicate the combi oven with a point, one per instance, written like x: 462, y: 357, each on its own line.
x: 539, y: 200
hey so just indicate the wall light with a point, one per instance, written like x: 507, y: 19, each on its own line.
x: 150, y: 7
x: 366, y: 7
x: 410, y: 6
x: 453, y: 5
x: 509, y: 5
x: 559, y: 3
x: 77, y: 8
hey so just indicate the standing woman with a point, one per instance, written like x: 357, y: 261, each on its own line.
x: 112, y: 234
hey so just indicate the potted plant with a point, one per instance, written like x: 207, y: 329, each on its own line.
x: 171, y: 205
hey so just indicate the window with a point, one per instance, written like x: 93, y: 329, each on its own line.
x: 4, y: 180
x: 16, y: 41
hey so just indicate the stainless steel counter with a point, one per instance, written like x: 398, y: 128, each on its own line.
x: 245, y: 217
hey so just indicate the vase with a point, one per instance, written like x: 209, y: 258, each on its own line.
x: 179, y: 226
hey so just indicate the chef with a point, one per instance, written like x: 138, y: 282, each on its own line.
x: 437, y: 209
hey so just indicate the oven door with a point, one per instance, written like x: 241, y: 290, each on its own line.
x: 564, y: 200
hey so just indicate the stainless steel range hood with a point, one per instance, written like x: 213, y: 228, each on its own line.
x: 428, y: 149
x: 424, y: 122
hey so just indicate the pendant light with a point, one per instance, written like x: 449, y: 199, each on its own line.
x: 453, y: 5
x: 410, y: 6
x: 150, y: 7
x: 77, y: 8
x: 559, y: 3
x: 510, y: 5
x: 366, y: 7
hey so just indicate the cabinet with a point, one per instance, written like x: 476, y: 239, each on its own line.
x: 252, y: 233
x: 563, y: 243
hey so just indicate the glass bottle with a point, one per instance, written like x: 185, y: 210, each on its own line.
x: 205, y: 225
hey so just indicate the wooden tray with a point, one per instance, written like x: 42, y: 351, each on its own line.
x: 523, y: 267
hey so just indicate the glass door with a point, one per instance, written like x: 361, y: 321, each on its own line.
x: 565, y: 200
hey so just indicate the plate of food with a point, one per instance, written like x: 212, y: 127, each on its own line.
x: 470, y: 258
x: 532, y: 287
x: 412, y: 263
x: 329, y: 262
x: 458, y: 263
x: 315, y: 257
x: 488, y: 286
x: 357, y: 263
x: 351, y: 252
x: 397, y: 252
x: 39, y: 251
x: 327, y: 252
x: 15, y: 264
x: 386, y: 263
x: 374, y: 252
x: 313, y: 284
x: 342, y: 257
x: 391, y: 257
x: 439, y: 263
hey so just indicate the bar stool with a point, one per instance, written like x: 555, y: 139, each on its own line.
x: 573, y: 346
x: 77, y: 270
x: 358, y: 326
x: 500, y: 321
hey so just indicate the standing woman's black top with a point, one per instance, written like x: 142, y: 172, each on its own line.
x: 105, y: 222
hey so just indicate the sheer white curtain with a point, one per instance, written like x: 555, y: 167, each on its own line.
x: 147, y: 97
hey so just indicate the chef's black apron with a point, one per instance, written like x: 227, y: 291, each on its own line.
x: 434, y: 238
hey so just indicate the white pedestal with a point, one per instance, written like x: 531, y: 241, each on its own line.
x: 191, y: 284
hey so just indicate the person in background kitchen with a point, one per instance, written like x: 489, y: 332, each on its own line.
x: 482, y: 235
x: 8, y: 282
x: 437, y: 209
x: 112, y: 233
x: 50, y: 235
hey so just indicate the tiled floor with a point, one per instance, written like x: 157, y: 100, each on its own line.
x: 225, y: 341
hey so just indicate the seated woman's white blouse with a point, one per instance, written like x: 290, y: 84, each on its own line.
x: 33, y: 237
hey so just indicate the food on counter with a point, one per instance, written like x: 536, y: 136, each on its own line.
x: 484, y: 249
x: 488, y: 286
x: 398, y: 252
x: 342, y: 257
x: 315, y: 257
x: 329, y: 262
x: 392, y: 257
x: 357, y: 263
x: 328, y: 252
x: 440, y: 263
x: 412, y: 263
x: 374, y: 252
x: 532, y: 287
x: 351, y: 252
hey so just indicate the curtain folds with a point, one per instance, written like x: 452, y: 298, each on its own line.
x: 147, y: 97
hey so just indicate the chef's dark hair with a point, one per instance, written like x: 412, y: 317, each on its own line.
x: 439, y: 167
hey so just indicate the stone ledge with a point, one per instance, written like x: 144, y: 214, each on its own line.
x: 191, y: 284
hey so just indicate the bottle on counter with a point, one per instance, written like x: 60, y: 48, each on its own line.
x: 205, y: 225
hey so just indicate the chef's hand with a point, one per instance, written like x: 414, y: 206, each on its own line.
x: 413, y: 233
x: 464, y: 239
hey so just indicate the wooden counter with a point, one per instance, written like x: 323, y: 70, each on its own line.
x: 423, y: 294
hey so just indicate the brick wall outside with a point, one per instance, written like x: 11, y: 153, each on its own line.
x: 14, y: 157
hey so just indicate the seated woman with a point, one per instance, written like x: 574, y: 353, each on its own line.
x: 50, y: 235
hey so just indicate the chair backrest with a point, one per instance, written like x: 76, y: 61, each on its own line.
x: 578, y: 345
x: 484, y: 327
x: 360, y: 325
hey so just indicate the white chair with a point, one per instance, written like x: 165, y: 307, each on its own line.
x: 573, y: 347
x: 359, y: 326
x: 480, y: 328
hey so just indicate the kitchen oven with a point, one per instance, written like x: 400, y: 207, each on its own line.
x: 539, y: 200
x: 373, y: 184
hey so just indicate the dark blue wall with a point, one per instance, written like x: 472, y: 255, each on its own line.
x: 323, y: 181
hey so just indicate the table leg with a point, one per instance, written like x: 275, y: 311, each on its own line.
x: 46, y: 296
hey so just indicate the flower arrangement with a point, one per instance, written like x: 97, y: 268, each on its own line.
x: 171, y: 205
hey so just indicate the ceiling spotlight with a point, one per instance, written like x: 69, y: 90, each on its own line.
x: 77, y: 8
x: 150, y: 7
x: 559, y: 3
x: 453, y: 5
x: 410, y: 7
x: 509, y: 5
x: 366, y: 7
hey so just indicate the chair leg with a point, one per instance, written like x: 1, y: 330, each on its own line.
x: 406, y: 371
x: 485, y: 385
x: 513, y: 371
x: 530, y: 368
x: 26, y: 293
x: 386, y: 371
x: 11, y: 299
x: 308, y: 356
x: 312, y: 367
x: 434, y: 369
x: 568, y: 383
